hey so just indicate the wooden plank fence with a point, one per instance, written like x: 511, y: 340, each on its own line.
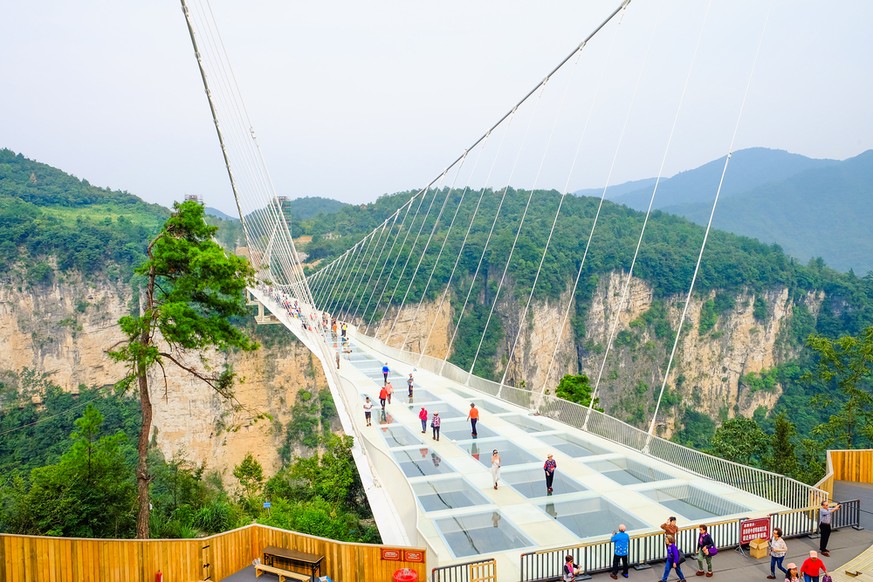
x: 49, y: 559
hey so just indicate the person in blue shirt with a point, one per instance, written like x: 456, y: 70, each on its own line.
x: 385, y: 371
x: 622, y: 545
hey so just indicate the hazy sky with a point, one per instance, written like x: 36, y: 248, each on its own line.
x: 354, y: 99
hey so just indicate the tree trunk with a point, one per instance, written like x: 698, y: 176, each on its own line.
x: 142, y: 448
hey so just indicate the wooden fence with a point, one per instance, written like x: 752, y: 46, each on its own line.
x: 847, y: 465
x: 47, y: 559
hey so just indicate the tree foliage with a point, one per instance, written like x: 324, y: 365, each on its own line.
x: 740, y: 440
x: 192, y: 290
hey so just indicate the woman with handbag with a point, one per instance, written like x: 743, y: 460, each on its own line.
x: 778, y: 549
x: 705, y: 550
x: 674, y: 559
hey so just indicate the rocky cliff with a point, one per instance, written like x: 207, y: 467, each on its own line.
x: 64, y: 329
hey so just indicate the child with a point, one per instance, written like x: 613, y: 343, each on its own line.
x: 791, y: 574
x: 570, y: 569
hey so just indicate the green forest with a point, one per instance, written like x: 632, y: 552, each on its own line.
x: 78, y: 450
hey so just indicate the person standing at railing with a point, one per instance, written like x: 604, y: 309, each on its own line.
x: 824, y: 526
x: 705, y: 547
x: 670, y: 527
x: 619, y: 556
x: 778, y: 549
x: 570, y: 569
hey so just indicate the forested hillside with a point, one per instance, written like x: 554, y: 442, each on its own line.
x: 811, y: 208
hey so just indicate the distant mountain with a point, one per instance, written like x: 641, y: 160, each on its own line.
x: 748, y: 169
x: 219, y: 214
x: 309, y: 206
x: 811, y: 208
x: 822, y: 212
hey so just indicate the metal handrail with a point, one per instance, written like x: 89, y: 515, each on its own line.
x: 461, y: 572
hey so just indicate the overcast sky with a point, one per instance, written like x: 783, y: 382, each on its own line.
x: 354, y: 99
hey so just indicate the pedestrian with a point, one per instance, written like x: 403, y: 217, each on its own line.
x: 383, y: 396
x: 422, y: 416
x: 619, y: 556
x: 704, y: 551
x: 409, y: 382
x: 389, y: 388
x: 824, y: 526
x: 368, y: 410
x: 345, y: 328
x: 495, y: 467
x: 549, y: 467
x: 792, y: 575
x: 570, y: 569
x: 674, y: 558
x: 337, y: 359
x: 385, y: 371
x: 778, y: 549
x: 435, y: 426
x: 812, y: 567
x: 670, y: 527
x: 473, y: 417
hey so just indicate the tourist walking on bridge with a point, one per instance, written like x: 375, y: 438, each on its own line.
x: 422, y: 416
x: 473, y: 417
x: 368, y: 410
x: 383, y: 396
x: 385, y: 370
x: 674, y: 558
x: 389, y: 388
x: 409, y: 383
x: 435, y: 425
x: 812, y: 567
x: 622, y: 546
x: 495, y: 467
x: 549, y: 467
x: 778, y: 549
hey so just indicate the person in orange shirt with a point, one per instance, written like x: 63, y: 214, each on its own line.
x: 473, y: 417
x: 383, y: 395
x: 670, y: 527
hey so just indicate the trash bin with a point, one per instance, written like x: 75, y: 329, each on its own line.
x: 405, y: 575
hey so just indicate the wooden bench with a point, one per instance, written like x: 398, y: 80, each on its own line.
x: 283, y: 574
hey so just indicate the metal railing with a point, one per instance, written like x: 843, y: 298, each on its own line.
x: 597, y: 556
x: 475, y: 571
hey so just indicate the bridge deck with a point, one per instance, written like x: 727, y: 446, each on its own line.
x: 441, y: 491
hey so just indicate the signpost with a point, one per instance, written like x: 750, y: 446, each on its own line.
x: 752, y: 529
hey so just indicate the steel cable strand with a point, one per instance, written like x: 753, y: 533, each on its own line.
x: 372, y: 270
x: 394, y: 266
x: 342, y: 289
x: 439, y: 256
x: 457, y: 258
x: 421, y: 258
x: 709, y: 222
x: 376, y: 285
x: 367, y: 270
x: 517, y: 234
x: 626, y: 286
x: 406, y: 261
x: 355, y: 275
x: 551, y: 230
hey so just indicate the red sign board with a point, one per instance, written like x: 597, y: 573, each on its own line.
x: 752, y: 529
x: 391, y: 554
x: 413, y: 556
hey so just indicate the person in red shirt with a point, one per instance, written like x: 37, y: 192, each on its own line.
x: 422, y: 416
x: 812, y: 567
x: 383, y: 395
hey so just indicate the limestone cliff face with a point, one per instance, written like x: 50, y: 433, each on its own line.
x: 65, y: 329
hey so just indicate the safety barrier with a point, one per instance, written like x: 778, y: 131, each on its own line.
x: 597, y: 556
x: 475, y: 571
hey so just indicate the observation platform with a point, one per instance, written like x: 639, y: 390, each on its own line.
x: 440, y: 495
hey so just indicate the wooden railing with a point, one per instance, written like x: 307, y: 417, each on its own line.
x: 847, y: 465
x: 47, y: 559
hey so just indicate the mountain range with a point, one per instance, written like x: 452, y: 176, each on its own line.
x: 810, y: 207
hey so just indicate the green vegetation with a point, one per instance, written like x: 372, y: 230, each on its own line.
x: 192, y: 288
x: 68, y: 469
x: 576, y: 388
